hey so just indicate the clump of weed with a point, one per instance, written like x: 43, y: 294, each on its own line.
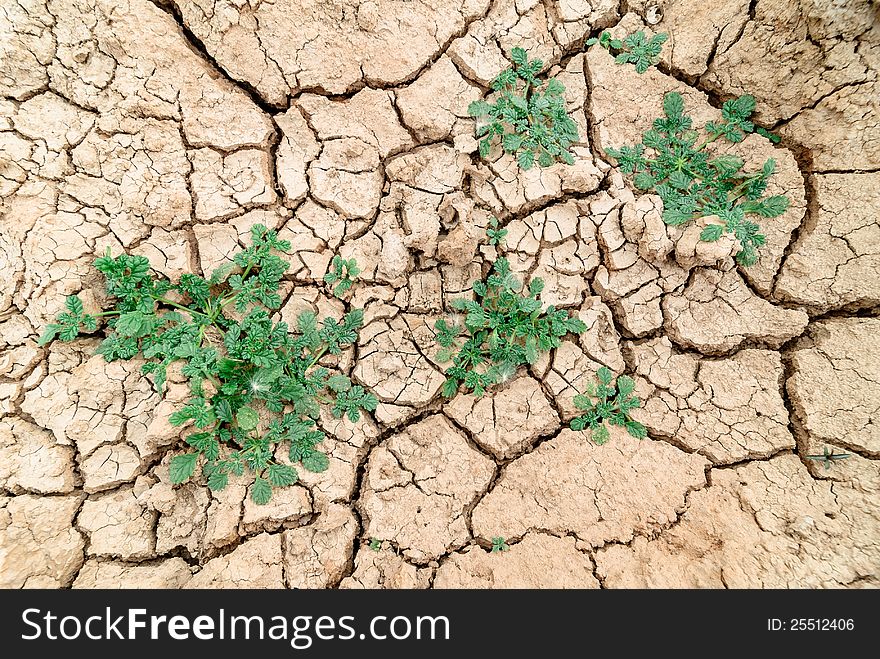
x: 255, y: 383
x: 673, y: 162
x: 636, y: 49
x: 608, y: 401
x: 505, y: 326
x: 528, y: 117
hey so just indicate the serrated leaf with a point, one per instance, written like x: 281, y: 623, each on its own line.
x: 673, y: 105
x: 247, y: 418
x: 217, y: 480
x: 316, y: 461
x: 600, y: 434
x: 280, y: 475
x: 712, y: 232
x: 339, y: 383
x: 261, y: 491
x: 636, y: 429
x: 181, y: 467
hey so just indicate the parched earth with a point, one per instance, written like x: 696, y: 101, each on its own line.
x: 169, y: 128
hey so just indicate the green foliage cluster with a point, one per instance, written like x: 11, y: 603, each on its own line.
x: 674, y: 163
x: 495, y: 234
x: 499, y: 545
x: 255, y: 383
x: 504, y: 328
x: 531, y: 123
x: 610, y: 401
x: 341, y: 275
x: 636, y: 49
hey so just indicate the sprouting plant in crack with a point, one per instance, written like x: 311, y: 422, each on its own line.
x: 636, y: 49
x: 499, y: 545
x: 676, y: 164
x: 530, y: 118
x: 342, y: 273
x: 254, y: 382
x: 496, y: 236
x: 375, y: 544
x: 505, y: 326
x: 828, y: 457
x: 608, y: 401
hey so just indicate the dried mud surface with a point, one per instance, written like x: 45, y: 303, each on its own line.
x: 169, y: 127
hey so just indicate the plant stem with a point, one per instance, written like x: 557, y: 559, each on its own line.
x: 163, y: 300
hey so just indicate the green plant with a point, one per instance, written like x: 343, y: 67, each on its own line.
x: 828, y: 457
x: 609, y: 401
x: 532, y: 124
x: 342, y: 274
x: 502, y: 329
x: 375, y: 544
x: 692, y: 183
x: 496, y: 235
x: 636, y: 48
x: 254, y: 384
x: 498, y: 545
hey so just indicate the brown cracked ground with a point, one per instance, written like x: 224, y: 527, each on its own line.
x: 169, y: 128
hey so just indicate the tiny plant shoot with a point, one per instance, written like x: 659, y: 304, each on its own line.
x: 342, y: 273
x: 609, y: 401
x: 504, y: 328
x: 533, y: 125
x: 254, y: 382
x: 828, y: 457
x: 499, y: 545
x: 673, y: 162
x: 635, y: 49
x: 496, y: 236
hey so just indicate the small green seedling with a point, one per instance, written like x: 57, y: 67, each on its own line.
x: 496, y: 235
x: 693, y: 183
x: 611, y: 402
x: 828, y: 457
x: 503, y: 329
x: 499, y: 545
x: 636, y: 49
x: 343, y: 273
x: 375, y: 544
x: 533, y: 125
x: 254, y: 383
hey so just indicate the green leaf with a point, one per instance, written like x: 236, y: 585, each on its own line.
x: 673, y: 105
x: 339, y: 383
x: 316, y: 461
x: 712, y: 232
x: 133, y: 323
x: 636, y: 429
x: 247, y: 418
x: 49, y: 334
x: 182, y: 467
x: 280, y: 475
x: 217, y: 480
x: 600, y: 435
x: 261, y: 491
x: 769, y: 207
x: 625, y: 385
x: 223, y: 410
x: 526, y: 159
x: 74, y: 305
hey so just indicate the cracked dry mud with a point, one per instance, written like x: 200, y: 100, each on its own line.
x: 168, y: 128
